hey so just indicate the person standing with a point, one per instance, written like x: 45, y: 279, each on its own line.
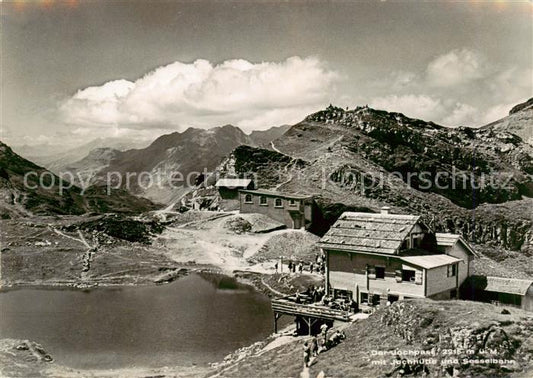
x: 314, y: 346
x: 290, y: 266
x: 307, y: 354
x: 324, y: 331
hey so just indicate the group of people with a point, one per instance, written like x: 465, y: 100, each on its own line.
x: 316, y: 293
x: 317, y: 266
x: 343, y: 304
x: 322, y: 343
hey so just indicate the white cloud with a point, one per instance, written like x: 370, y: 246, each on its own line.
x: 416, y: 106
x: 253, y: 95
x: 402, y: 79
x: 456, y: 67
x: 459, y: 87
x: 461, y: 115
x: 496, y: 112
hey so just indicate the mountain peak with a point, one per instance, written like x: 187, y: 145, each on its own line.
x: 364, y: 117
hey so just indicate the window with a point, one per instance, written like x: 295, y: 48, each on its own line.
x: 364, y: 297
x: 408, y: 275
x: 342, y: 294
x: 393, y: 298
x: 374, y: 299
x: 263, y: 201
x: 452, y: 270
x: 278, y: 202
x: 380, y: 272
x: 292, y: 202
x: 248, y: 198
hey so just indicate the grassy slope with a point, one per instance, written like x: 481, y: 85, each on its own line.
x: 33, y: 253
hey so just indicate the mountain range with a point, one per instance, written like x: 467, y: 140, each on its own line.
x: 190, y: 153
x: 481, y: 183
x: 27, y: 189
x: 55, y: 157
x: 474, y: 181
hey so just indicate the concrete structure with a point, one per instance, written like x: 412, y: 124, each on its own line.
x: 375, y: 258
x: 294, y: 210
x: 228, y: 188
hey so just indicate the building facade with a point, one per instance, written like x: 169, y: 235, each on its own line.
x: 293, y: 210
x: 375, y: 258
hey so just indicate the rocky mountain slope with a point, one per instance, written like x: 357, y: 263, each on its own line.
x: 57, y: 158
x: 476, y: 182
x: 26, y: 188
x: 171, y: 160
x: 84, y: 170
x: 519, y: 122
x: 264, y: 137
x: 437, y: 339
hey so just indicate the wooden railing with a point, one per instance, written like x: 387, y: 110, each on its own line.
x: 290, y: 308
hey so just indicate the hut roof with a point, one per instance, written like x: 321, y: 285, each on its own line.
x: 233, y: 183
x: 449, y: 240
x: 431, y: 261
x: 508, y: 285
x: 369, y: 232
x: 271, y: 193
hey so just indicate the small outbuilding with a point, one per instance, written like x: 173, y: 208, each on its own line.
x: 500, y: 290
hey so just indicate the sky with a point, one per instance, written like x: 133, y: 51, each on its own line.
x: 76, y: 70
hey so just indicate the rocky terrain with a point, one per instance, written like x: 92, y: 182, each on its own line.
x: 85, y: 170
x: 173, y: 160
x: 25, y: 358
x: 361, y: 159
x: 46, y: 194
x: 445, y: 338
x: 519, y: 122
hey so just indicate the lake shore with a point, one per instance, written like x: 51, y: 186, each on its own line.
x: 24, y: 358
x: 58, y: 260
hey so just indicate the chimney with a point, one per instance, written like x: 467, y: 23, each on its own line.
x: 385, y: 210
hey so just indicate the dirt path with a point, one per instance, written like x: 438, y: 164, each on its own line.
x: 274, y: 147
x: 271, y: 288
x: 212, y: 244
x: 81, y: 240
